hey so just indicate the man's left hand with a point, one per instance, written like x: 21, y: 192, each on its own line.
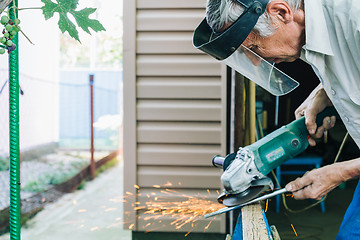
x: 318, y: 182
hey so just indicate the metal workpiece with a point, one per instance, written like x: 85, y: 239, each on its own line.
x: 227, y: 209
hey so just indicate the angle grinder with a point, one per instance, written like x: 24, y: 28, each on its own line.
x: 245, y: 171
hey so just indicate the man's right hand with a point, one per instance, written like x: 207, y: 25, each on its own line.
x: 315, y: 103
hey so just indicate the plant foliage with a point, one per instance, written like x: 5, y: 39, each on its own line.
x: 66, y: 7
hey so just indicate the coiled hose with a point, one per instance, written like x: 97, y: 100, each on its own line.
x: 15, y: 204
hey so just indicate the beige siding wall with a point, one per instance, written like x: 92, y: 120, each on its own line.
x: 174, y: 112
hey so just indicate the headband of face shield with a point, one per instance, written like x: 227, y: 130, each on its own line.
x: 226, y: 46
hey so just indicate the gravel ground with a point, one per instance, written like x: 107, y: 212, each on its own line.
x: 38, y: 173
x: 92, y: 213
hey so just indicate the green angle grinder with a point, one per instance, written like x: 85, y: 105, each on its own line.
x: 245, y: 172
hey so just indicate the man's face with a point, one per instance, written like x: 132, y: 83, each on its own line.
x: 280, y: 47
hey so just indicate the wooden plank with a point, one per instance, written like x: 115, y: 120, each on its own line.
x: 254, y: 226
x: 275, y: 233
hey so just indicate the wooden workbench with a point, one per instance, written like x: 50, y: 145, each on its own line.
x: 253, y: 225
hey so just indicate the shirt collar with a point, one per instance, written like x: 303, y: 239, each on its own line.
x: 317, y: 35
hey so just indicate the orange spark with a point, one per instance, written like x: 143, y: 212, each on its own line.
x: 131, y: 226
x: 207, y: 226
x: 110, y: 209
x: 156, y: 186
x: 136, y: 186
x: 138, y: 208
x: 166, y: 192
x: 294, y: 229
x: 94, y: 229
x: 171, y: 190
x: 187, y: 233
x: 266, y: 206
x: 184, y: 212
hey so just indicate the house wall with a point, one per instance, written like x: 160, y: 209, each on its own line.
x: 174, y: 112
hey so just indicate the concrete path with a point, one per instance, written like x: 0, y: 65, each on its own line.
x: 93, y: 213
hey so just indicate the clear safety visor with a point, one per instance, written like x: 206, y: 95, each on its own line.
x: 260, y: 71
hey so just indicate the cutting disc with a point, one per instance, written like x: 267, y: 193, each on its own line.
x: 255, y: 190
x: 245, y: 196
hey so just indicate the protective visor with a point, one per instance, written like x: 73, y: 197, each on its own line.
x: 226, y: 46
x: 260, y: 71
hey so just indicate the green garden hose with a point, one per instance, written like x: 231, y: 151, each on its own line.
x: 15, y: 202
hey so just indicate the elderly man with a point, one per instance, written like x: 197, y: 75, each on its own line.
x: 323, y: 33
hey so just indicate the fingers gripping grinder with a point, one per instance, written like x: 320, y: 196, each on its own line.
x: 245, y: 172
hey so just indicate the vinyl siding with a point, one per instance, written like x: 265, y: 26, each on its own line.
x: 175, y: 114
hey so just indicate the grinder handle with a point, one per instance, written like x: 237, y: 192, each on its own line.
x: 284, y: 143
x: 328, y: 112
x: 300, y: 123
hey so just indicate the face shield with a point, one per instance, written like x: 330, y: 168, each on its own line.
x: 226, y: 46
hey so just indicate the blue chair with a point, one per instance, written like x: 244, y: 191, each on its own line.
x: 307, y: 160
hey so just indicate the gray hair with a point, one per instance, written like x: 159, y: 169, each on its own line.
x: 222, y: 12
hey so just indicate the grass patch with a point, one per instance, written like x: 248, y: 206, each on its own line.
x: 59, y: 175
x: 112, y: 163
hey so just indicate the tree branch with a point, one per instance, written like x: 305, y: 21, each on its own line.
x: 4, y: 4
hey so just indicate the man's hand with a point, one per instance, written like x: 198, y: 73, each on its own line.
x: 318, y: 182
x: 314, y: 104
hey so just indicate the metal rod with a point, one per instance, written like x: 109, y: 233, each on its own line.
x: 227, y: 209
x: 14, y: 138
x: 92, y: 161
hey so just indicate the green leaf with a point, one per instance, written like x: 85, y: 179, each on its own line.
x: 83, y: 21
x: 49, y: 9
x: 65, y: 7
x: 66, y: 25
